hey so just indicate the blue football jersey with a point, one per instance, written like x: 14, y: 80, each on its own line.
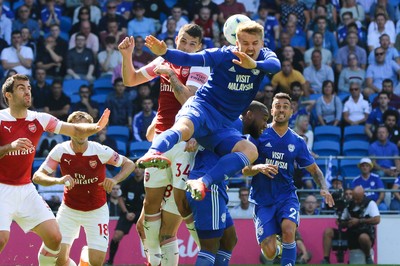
x: 283, y: 151
x: 373, y: 182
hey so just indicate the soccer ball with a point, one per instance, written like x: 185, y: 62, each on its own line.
x: 230, y: 27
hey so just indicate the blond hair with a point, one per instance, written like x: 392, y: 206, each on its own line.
x: 77, y: 116
x: 250, y: 27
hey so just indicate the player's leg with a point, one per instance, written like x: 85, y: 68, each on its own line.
x: 4, y: 236
x: 288, y: 212
x: 96, y: 257
x: 63, y: 257
x: 8, y: 205
x: 227, y: 243
x: 170, y: 222
x: 49, y: 232
x: 209, y: 242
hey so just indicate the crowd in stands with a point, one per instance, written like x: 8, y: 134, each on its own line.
x: 340, y: 63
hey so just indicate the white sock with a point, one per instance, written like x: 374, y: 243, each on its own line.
x: 152, y: 224
x: 47, y: 256
x: 170, y: 252
x: 71, y: 262
x: 192, y: 230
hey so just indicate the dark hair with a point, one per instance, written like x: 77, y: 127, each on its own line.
x: 8, y: 85
x: 57, y: 81
x: 282, y: 95
x: 193, y: 30
x: 80, y: 12
x: 256, y: 106
x: 390, y: 112
x: 383, y: 93
x: 326, y: 82
x: 119, y: 79
x: 243, y: 189
x: 295, y: 84
x: 388, y: 81
x: 317, y: 33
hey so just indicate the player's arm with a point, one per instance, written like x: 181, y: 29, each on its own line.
x: 18, y: 144
x: 270, y: 64
x: 151, y: 130
x: 269, y: 170
x: 127, y: 167
x: 44, y: 177
x: 319, y: 179
x: 85, y: 129
x: 130, y: 216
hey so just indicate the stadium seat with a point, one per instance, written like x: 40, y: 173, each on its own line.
x: 314, y: 96
x: 138, y: 148
x: 332, y: 133
x: 326, y: 148
x: 324, y: 163
x: 343, y: 95
x: 102, y: 86
x: 372, y: 97
x: 349, y: 170
x: 355, y: 148
x: 101, y: 100
x: 121, y: 146
x: 65, y: 24
x: 71, y: 86
x: 75, y: 98
x: 120, y: 133
x: 354, y: 133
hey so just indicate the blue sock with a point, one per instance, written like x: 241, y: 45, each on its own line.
x: 223, y: 257
x: 288, y: 254
x: 205, y: 258
x: 227, y: 165
x: 166, y: 140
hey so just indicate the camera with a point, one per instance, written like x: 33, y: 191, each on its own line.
x: 339, y: 242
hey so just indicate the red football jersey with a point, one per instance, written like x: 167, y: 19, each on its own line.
x: 168, y: 105
x: 88, y: 170
x: 16, y: 166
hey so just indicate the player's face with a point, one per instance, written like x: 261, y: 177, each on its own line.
x: 258, y: 124
x: 281, y: 111
x: 21, y: 95
x: 250, y: 44
x: 187, y: 43
x: 78, y: 141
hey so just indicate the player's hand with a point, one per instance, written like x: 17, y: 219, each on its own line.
x: 21, y: 144
x: 108, y: 184
x: 269, y: 170
x: 163, y: 70
x: 126, y: 46
x: 156, y: 46
x: 130, y: 216
x: 103, y: 121
x: 68, y: 181
x: 191, y: 145
x: 244, y: 61
x: 328, y: 197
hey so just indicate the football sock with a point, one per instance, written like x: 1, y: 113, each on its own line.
x: 227, y: 165
x: 47, y: 256
x: 166, y: 140
x: 223, y: 257
x: 288, y: 254
x: 152, y: 225
x: 71, y: 262
x: 113, y: 250
x: 170, y: 252
x: 192, y: 230
x: 205, y: 258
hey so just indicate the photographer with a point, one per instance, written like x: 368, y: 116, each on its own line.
x: 338, y: 234
x: 360, y: 218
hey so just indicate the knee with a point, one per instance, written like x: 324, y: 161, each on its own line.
x: 364, y: 239
x: 288, y: 235
x: 328, y: 233
x: 3, y: 241
x: 268, y: 250
x: 140, y: 229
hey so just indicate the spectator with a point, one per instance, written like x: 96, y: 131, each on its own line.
x: 95, y: 12
x: 143, y: 119
x: 331, y: 11
x: 381, y: 70
x: 113, y: 201
x: 17, y: 57
x: 83, y: 15
x: 5, y: 27
x: 109, y: 58
x: 391, y: 53
x: 370, y: 181
x: 40, y: 90
x: 50, y: 58
x: 266, y: 96
x: 377, y: 28
x: 171, y: 30
x: 328, y: 107
x: 23, y: 20
x: 245, y: 209
x: 80, y: 60
x: 26, y: 40
x: 384, y: 147
x: 62, y: 45
x: 351, y: 73
x: 131, y: 202
x: 319, y: 11
x: 281, y: 81
x: 91, y: 40
x: 387, y: 86
x: 356, y: 109
x: 111, y: 15
x: 329, y: 39
x: 348, y: 24
x: 386, y: 6
x: 271, y: 27
x: 317, y: 73
x: 355, y: 8
x: 288, y: 54
x: 120, y: 105
x: 297, y: 7
x: 284, y: 40
x: 229, y: 8
x: 350, y: 48
x: 375, y: 118
x: 297, y: 36
x: 10, y: 73
x: 47, y: 142
x: 215, y: 12
x: 302, y: 127
x: 209, y: 26
x: 6, y: 10
x: 390, y: 119
x: 140, y: 57
x: 102, y: 138
x: 325, y: 53
x: 86, y: 104
x: 57, y: 103
x: 124, y: 8
x: 112, y: 30
x: 310, y: 206
x: 51, y: 14
x: 395, y: 202
x: 140, y: 25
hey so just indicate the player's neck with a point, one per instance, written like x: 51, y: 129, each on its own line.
x: 18, y: 112
x: 79, y: 148
x: 280, y: 129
